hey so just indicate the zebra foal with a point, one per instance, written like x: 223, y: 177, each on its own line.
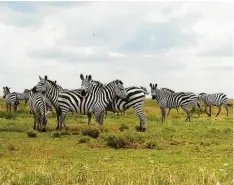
x: 167, y: 100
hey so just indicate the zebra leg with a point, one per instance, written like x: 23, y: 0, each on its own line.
x: 188, y: 113
x: 89, y: 115
x: 163, y: 112
x: 58, y: 114
x: 170, y: 110
x: 62, y: 120
x: 44, y: 122
x: 219, y: 107
x: 206, y: 110
x: 97, y: 117
x: 210, y: 110
x: 38, y: 122
x: 35, y: 122
x: 102, y: 118
x: 141, y: 116
x: 226, y: 107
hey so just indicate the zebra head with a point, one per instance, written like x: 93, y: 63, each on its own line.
x: 86, y: 84
x: 153, y: 90
x: 201, y: 96
x: 6, y: 90
x: 42, y: 85
x: 120, y: 90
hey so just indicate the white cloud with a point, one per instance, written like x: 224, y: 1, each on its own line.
x: 183, y: 46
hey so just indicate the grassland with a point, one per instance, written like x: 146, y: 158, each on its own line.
x: 177, y: 152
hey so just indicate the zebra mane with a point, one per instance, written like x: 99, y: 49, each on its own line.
x: 53, y: 83
x: 100, y: 84
x: 166, y: 89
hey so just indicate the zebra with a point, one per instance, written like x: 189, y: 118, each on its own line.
x: 217, y: 99
x: 94, y: 98
x: 51, y: 90
x: 194, y: 102
x: 48, y: 103
x: 136, y: 97
x: 38, y: 108
x: 23, y: 96
x: 10, y: 99
x: 167, y: 100
x: 170, y: 92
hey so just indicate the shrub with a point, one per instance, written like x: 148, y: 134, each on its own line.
x: 84, y: 139
x: 56, y: 134
x: 91, y: 132
x: 11, y: 148
x: 32, y: 134
x: 123, y: 127
x: 151, y: 145
x: 65, y: 132
x: 7, y: 115
x: 126, y: 140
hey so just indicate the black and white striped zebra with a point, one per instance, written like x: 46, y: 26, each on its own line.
x: 167, y: 100
x: 194, y: 102
x: 95, y: 101
x: 217, y: 99
x: 169, y: 91
x: 23, y: 96
x: 136, y: 97
x: 49, y: 105
x: 10, y: 99
x: 51, y: 90
x: 38, y: 108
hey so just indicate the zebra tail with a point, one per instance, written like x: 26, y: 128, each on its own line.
x: 145, y: 90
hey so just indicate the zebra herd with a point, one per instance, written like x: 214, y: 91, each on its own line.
x: 96, y: 98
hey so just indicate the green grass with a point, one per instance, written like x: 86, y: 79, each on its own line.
x: 177, y: 152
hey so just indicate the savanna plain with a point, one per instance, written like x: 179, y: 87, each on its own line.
x: 176, y: 152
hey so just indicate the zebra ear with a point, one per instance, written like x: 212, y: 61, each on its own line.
x: 40, y: 78
x: 55, y: 81
x: 46, y: 77
x: 151, y: 85
x: 89, y: 77
x: 81, y: 77
x: 156, y: 85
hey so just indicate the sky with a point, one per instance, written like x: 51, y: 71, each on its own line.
x: 184, y: 46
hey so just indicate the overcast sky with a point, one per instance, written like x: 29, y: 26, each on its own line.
x: 185, y: 46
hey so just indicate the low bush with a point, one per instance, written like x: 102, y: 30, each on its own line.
x: 91, y: 132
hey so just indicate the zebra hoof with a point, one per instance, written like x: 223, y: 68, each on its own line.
x: 43, y: 130
x: 140, y: 129
x: 34, y: 128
